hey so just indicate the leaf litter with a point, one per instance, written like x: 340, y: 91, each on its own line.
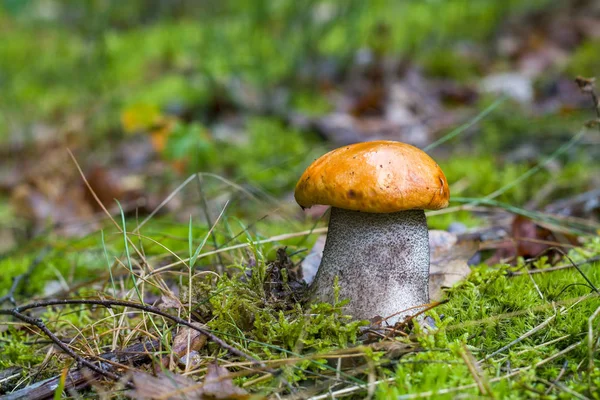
x: 216, y: 385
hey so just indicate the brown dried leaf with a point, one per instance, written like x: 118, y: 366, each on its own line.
x: 165, y: 386
x: 216, y: 386
x: 170, y: 302
x: 107, y: 186
x: 448, y: 260
x: 53, y: 203
x: 181, y: 353
x: 196, y: 340
x: 586, y: 85
x: 530, y: 238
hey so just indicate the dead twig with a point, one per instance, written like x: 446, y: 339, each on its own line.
x: 556, y: 268
x: 408, y: 319
x: 59, y: 343
x: 563, y: 388
x: 17, y: 313
x: 78, y: 379
x: 482, y: 383
x: 519, y: 339
x: 586, y: 85
x: 591, y: 346
x: 565, y: 255
x: 553, y: 383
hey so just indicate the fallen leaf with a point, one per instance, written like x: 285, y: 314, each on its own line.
x: 530, y: 239
x: 534, y: 238
x: 216, y: 386
x: 310, y: 264
x: 170, y: 302
x: 196, y: 338
x: 448, y: 260
x: 187, y: 335
x: 165, y: 386
x: 107, y: 186
x: 180, y: 352
x: 53, y: 204
x: 110, y: 184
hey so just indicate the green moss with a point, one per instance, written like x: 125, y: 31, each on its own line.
x: 16, y: 351
x: 277, y: 325
x: 310, y: 103
x: 265, y: 154
x: 586, y: 60
x: 489, y: 311
x: 511, y: 126
x: 255, y: 309
x: 449, y: 64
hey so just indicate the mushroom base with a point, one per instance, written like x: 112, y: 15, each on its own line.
x: 381, y: 261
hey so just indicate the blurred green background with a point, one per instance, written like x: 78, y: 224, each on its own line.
x: 152, y: 91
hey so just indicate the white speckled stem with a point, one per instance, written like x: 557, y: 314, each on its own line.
x: 381, y: 260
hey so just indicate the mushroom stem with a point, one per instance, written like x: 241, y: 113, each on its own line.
x: 381, y: 261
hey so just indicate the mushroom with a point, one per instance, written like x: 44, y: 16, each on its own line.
x: 377, y: 244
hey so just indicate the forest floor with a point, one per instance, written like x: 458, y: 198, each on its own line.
x: 125, y: 272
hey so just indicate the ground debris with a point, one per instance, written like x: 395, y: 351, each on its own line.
x: 216, y: 385
x: 186, y: 343
x: 284, y: 281
x: 448, y: 260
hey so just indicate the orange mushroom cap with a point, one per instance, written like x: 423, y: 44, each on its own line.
x: 376, y: 177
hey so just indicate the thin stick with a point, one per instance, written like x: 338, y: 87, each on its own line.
x: 482, y: 384
x: 124, y: 303
x: 558, y: 378
x: 519, y: 339
x: 38, y: 323
x: 473, y: 385
x: 565, y: 255
x: 556, y: 268
x: 562, y: 387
